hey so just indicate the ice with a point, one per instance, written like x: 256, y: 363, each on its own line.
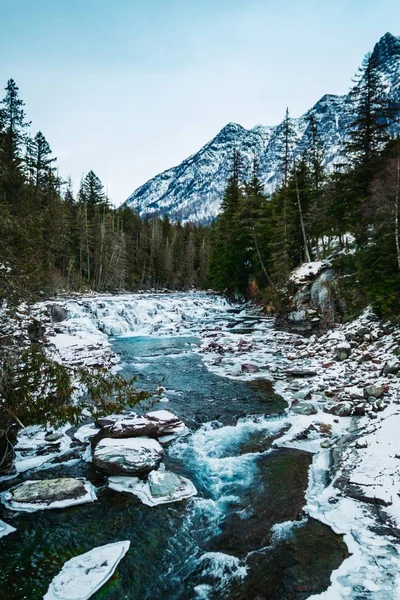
x: 171, y: 487
x: 5, y: 529
x: 83, y: 575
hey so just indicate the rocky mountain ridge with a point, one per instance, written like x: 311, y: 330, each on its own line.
x: 192, y: 191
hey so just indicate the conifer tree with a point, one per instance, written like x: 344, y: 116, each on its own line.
x: 92, y: 190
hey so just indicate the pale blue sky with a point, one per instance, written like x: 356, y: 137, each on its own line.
x: 130, y: 88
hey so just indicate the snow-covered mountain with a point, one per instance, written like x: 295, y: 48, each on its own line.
x: 192, y: 191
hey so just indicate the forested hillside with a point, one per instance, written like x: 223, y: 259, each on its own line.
x: 258, y: 241
x: 51, y: 241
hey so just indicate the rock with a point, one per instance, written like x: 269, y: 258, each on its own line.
x: 167, y: 423
x: 341, y: 409
x: 49, y: 493
x: 342, y: 351
x: 152, y: 425
x: 361, y: 443
x: 301, y: 373
x: 5, y: 529
x: 304, y: 394
x: 127, y: 456
x: 83, y: 575
x: 53, y: 436
x: 248, y: 368
x: 376, y: 391
x: 326, y: 444
x: 304, y: 408
x: 128, y: 428
x: 162, y: 487
x: 104, y: 422
x: 392, y: 367
x: 361, y: 332
x: 325, y: 428
x: 57, y: 313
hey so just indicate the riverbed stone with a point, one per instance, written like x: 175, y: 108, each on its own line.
x: 48, y: 493
x: 374, y: 391
x: 127, y: 456
x: 304, y: 408
x: 249, y: 368
x: 342, y: 351
x: 341, y: 409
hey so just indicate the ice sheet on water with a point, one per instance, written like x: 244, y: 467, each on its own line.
x: 83, y: 575
x: 5, y: 529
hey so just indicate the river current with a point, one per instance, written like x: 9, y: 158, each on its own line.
x: 244, y: 537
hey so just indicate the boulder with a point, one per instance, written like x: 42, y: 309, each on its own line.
x: 152, y: 425
x: 167, y: 423
x: 362, y: 331
x: 342, y: 351
x: 161, y: 487
x: 374, y: 391
x: 301, y: 372
x: 53, y: 436
x: 341, y: 409
x: 83, y: 575
x: 127, y: 455
x: 392, y: 367
x: 49, y: 493
x: 249, y: 368
x: 304, y: 408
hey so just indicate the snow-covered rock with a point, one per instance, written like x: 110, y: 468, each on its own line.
x: 127, y: 456
x: 48, y: 494
x: 192, y: 191
x: 83, y: 575
x: 161, y: 487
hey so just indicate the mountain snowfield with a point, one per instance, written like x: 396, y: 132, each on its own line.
x: 192, y: 191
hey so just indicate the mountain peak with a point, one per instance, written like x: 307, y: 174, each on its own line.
x: 387, y: 48
x: 231, y: 129
x: 192, y: 191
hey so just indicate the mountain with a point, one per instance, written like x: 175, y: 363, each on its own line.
x: 192, y: 191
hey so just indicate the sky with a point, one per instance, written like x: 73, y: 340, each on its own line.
x: 130, y: 88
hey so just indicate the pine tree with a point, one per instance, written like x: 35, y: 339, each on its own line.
x: 39, y: 161
x: 12, y: 140
x: 92, y: 190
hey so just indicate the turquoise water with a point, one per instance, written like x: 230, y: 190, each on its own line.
x: 229, y: 542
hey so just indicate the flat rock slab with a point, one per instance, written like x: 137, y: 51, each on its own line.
x: 83, y: 575
x: 162, y: 487
x: 5, y: 529
x: 127, y: 456
x: 49, y: 493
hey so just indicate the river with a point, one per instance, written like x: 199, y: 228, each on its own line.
x: 244, y: 537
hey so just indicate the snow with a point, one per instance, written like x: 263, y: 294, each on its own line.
x: 31, y: 440
x: 307, y: 270
x: 83, y: 575
x: 84, y: 433
x: 83, y: 338
x: 367, y: 459
x: 193, y: 190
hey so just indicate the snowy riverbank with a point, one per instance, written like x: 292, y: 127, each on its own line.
x: 343, y: 394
